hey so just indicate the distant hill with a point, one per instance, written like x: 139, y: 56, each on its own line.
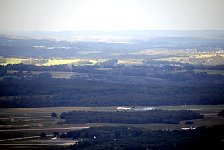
x: 105, y: 44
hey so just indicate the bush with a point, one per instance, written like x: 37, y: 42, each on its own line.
x: 53, y: 114
x: 43, y: 135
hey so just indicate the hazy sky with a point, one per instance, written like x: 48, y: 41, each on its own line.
x: 109, y: 15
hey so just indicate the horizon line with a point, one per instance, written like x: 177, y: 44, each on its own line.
x: 2, y: 30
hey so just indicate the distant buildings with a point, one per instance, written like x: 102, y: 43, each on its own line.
x: 188, y: 128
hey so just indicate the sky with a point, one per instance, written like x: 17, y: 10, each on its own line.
x: 110, y: 15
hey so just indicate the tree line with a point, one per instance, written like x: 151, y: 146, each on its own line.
x: 130, y: 117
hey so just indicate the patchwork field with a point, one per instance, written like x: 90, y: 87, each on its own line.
x: 178, y: 56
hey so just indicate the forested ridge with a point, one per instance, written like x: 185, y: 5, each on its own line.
x: 118, y: 86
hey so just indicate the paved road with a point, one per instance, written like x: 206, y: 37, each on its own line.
x: 44, y: 129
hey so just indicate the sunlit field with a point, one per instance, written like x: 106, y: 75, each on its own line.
x: 50, y: 62
x: 176, y: 56
x: 12, y: 61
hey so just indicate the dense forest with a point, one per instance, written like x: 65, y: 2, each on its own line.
x: 122, y: 85
x: 130, y: 117
x: 130, y: 138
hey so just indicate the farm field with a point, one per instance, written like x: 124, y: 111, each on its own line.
x: 47, y: 62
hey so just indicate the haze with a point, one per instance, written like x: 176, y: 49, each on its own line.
x: 108, y: 15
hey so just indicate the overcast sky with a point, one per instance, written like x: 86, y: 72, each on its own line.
x: 109, y: 15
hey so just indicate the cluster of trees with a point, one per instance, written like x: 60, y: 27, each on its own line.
x: 130, y: 117
x: 130, y: 138
x: 54, y: 115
